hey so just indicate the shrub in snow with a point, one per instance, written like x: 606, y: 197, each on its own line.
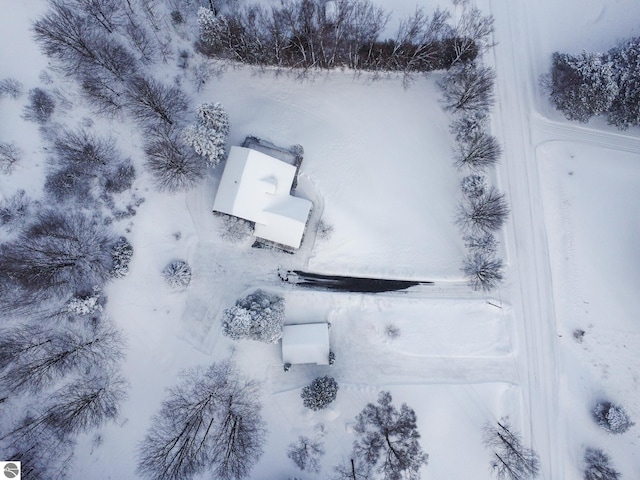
x: 625, y: 108
x: 392, y: 331
x: 177, y: 274
x: 468, y: 125
x: 121, y: 252
x: 15, y: 211
x: 612, y: 418
x: 209, y: 136
x: 85, y: 305
x: 483, y: 271
x: 320, y: 393
x: 40, y: 106
x: 9, y: 156
x: 597, y: 465
x: 259, y: 316
x: 484, y: 243
x: 235, y: 230
x: 11, y: 87
x: 325, y: 230
x: 306, y: 454
x: 473, y: 185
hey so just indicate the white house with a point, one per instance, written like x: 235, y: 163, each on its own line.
x: 306, y: 343
x: 257, y: 187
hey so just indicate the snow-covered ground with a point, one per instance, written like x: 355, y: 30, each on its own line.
x: 378, y: 168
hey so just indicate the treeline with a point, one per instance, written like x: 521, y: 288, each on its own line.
x: 306, y: 34
x: 592, y: 84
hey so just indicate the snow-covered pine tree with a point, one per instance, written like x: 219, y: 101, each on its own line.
x: 209, y: 136
x: 611, y: 417
x: 582, y: 86
x: 625, y: 109
x: 320, y: 393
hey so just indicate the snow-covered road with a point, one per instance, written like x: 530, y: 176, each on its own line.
x: 531, y: 282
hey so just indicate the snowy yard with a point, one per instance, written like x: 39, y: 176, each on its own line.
x: 559, y: 335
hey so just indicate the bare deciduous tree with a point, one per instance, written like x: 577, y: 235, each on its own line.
x: 59, y: 252
x: 483, y: 270
x: 468, y: 87
x: 510, y: 459
x: 483, y: 214
x: 306, y: 453
x: 173, y: 164
x: 597, y: 465
x: 153, y: 102
x: 210, y: 422
x: 34, y: 357
x: 477, y: 152
x: 388, y: 440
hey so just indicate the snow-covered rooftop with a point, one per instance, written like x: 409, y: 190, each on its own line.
x: 257, y: 187
x: 306, y: 343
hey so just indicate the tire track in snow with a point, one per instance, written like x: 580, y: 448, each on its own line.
x: 545, y: 130
x: 527, y: 239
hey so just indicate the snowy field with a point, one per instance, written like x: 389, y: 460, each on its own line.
x: 378, y: 168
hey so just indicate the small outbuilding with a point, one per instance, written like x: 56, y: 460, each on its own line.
x: 257, y: 187
x: 306, y: 343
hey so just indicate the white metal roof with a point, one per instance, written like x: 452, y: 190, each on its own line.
x: 306, y: 343
x: 257, y: 187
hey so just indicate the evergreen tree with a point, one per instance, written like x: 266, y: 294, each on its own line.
x: 320, y: 393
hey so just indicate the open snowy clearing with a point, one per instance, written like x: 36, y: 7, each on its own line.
x: 593, y: 245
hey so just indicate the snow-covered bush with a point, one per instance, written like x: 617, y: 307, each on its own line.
x: 483, y: 270
x: 86, y: 305
x: 510, y: 459
x: 9, y: 156
x: 15, y: 211
x: 10, y: 87
x: 259, y: 316
x: 177, y: 274
x: 473, y: 185
x: 613, y: 418
x: 306, y: 454
x: 209, y: 136
x: 597, y: 465
x: 40, y: 107
x: 121, y: 252
x: 320, y: 393
x: 235, y: 230
x: 482, y: 243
